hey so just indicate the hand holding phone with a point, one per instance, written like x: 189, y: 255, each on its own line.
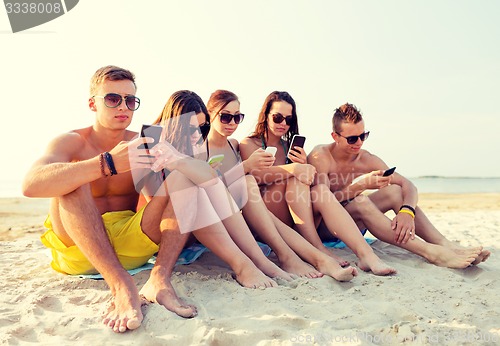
x: 389, y: 172
x: 215, y: 159
x: 153, y: 131
x: 297, y: 141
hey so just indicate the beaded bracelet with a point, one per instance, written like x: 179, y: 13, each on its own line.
x: 110, y: 163
x: 101, y: 164
x: 409, y: 207
x: 406, y: 211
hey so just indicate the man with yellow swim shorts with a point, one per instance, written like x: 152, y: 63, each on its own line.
x: 93, y: 225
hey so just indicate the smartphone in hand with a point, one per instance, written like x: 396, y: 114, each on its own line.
x: 297, y: 141
x: 271, y: 150
x: 389, y: 172
x: 216, y: 159
x: 153, y: 131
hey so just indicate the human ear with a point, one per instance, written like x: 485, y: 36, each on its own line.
x: 92, y: 104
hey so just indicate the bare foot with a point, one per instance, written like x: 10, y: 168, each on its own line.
x: 158, y: 289
x: 252, y: 277
x: 446, y: 257
x: 374, y: 264
x: 342, y: 262
x: 125, y: 310
x: 272, y: 270
x: 330, y: 267
x: 462, y: 250
x: 295, y: 265
x: 483, y: 256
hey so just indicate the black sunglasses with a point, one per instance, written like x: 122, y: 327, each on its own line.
x: 278, y: 119
x: 113, y: 100
x: 194, y: 129
x: 226, y: 118
x: 354, y: 139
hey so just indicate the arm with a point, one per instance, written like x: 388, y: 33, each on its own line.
x: 198, y: 171
x: 403, y: 223
x: 272, y: 174
x: 54, y: 174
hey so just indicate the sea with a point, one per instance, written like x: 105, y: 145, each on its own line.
x: 427, y: 184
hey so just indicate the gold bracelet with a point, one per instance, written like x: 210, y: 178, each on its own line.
x: 406, y: 211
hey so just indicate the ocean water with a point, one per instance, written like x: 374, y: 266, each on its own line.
x: 12, y: 188
x: 456, y: 185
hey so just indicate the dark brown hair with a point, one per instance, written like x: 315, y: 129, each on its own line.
x: 261, y: 129
x: 176, y: 116
x: 220, y: 99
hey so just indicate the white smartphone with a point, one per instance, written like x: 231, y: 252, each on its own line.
x: 216, y: 159
x: 271, y: 150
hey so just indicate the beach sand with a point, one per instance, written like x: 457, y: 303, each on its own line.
x: 422, y: 304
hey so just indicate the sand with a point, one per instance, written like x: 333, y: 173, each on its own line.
x: 422, y: 304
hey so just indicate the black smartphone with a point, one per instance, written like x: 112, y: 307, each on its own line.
x: 297, y: 141
x: 389, y: 172
x: 153, y: 131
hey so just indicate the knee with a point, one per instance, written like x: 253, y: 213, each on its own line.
x: 360, y: 205
x: 394, y: 194
x: 80, y: 194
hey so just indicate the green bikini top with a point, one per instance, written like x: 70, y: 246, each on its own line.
x: 264, y: 145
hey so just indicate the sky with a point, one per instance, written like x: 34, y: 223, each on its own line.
x: 424, y: 73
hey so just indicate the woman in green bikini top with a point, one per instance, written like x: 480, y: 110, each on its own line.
x: 287, y: 188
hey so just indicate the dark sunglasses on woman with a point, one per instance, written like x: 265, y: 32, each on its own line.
x: 113, y: 100
x: 278, y: 119
x: 226, y: 118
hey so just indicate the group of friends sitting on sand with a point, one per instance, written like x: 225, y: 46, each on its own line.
x: 118, y: 198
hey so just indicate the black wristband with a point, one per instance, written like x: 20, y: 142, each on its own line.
x: 110, y: 163
x: 409, y: 207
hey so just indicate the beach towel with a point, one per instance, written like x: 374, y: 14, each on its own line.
x: 193, y: 252
x: 187, y: 256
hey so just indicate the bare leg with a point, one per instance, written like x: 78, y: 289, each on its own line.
x: 240, y: 233
x: 342, y: 226
x: 321, y: 261
x: 298, y: 197
x: 362, y: 208
x: 259, y: 219
x: 211, y: 233
x: 390, y: 198
x: 159, y: 221
x: 77, y: 221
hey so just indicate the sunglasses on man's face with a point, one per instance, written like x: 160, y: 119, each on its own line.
x: 113, y: 100
x: 278, y: 119
x: 226, y: 118
x: 354, y: 139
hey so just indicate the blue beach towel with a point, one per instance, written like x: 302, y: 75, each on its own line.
x: 339, y: 244
x: 193, y: 252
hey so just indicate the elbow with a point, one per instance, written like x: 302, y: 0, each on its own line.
x: 27, y: 190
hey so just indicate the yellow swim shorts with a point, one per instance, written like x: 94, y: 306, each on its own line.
x: 132, y: 246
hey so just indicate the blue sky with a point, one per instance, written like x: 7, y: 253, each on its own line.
x: 424, y: 73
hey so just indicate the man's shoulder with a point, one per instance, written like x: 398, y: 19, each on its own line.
x: 72, y: 137
x: 320, y: 151
x: 366, y: 156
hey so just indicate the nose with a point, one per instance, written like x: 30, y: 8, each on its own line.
x: 123, y: 104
